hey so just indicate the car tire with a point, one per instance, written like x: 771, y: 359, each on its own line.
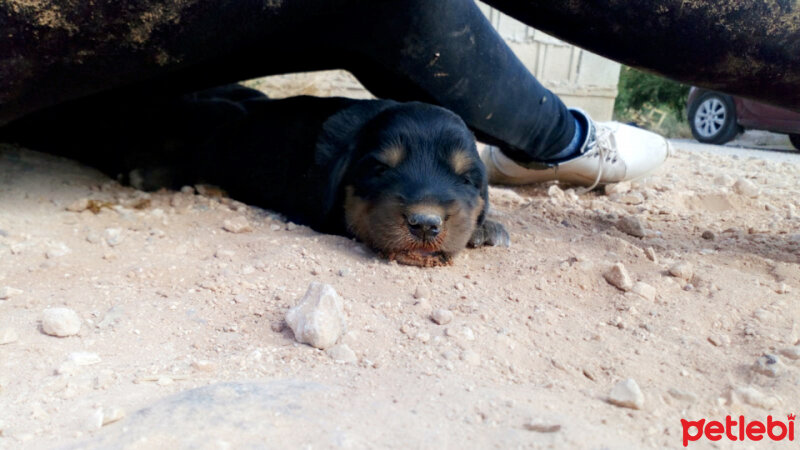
x: 795, y: 140
x: 712, y: 118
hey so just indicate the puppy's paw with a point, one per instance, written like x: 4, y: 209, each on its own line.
x: 490, y: 233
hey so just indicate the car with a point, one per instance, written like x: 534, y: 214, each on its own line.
x: 716, y: 118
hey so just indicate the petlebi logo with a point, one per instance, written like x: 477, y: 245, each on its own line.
x: 738, y: 430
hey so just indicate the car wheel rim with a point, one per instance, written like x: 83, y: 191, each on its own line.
x: 710, y: 117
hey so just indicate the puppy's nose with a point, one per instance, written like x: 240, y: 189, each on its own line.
x: 424, y: 226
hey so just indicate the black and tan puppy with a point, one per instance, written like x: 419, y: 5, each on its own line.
x: 404, y: 178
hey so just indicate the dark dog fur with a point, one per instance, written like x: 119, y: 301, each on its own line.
x: 405, y: 178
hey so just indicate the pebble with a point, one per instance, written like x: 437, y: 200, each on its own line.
x: 627, y: 395
x: 95, y: 420
x: 719, y: 340
x: 8, y: 335
x: 618, y: 188
x: 60, y: 322
x: 651, y: 254
x: 555, y: 192
x: 113, y: 236
x: 238, y: 224
x: 682, y: 270
x: 318, y: 319
x: 84, y: 358
x: 442, y: 316
x: 789, y: 352
x: 541, y: 426
x: 57, y: 250
x: 768, y: 365
x: 6, y: 292
x: 78, y: 205
x: 753, y: 397
x: 204, y: 366
x: 422, y: 291
x: 644, y: 290
x: 685, y: 396
x: 746, y: 188
x: 114, y: 415
x: 631, y: 225
x: 342, y: 353
x: 618, y: 277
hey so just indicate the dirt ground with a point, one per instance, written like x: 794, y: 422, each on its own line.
x: 170, y: 301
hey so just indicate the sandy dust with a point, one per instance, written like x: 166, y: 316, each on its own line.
x: 170, y: 301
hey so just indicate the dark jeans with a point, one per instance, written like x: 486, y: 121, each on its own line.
x: 438, y: 51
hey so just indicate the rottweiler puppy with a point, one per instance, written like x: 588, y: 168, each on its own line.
x: 404, y: 178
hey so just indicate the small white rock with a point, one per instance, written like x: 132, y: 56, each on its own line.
x: 318, y: 319
x: 644, y: 290
x: 627, y: 394
x: 6, y: 292
x: 746, y: 188
x: 8, y: 335
x: 618, y: 277
x: 60, y: 322
x: 84, y: 358
x: 95, y: 420
x: 651, y: 254
x: 238, y: 224
x: 682, y: 270
x: 753, y: 397
x: 617, y: 188
x: 113, y: 236
x: 422, y: 291
x: 56, y: 250
x: 442, y: 316
x: 341, y: 353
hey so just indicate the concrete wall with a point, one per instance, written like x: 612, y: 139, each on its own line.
x: 580, y: 78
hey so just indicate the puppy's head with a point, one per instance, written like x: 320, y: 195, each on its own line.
x: 417, y: 188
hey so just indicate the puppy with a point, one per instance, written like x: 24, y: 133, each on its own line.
x: 404, y: 178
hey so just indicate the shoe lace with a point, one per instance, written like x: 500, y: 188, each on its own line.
x: 604, y: 146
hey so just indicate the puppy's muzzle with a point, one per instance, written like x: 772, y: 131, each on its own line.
x: 424, y: 227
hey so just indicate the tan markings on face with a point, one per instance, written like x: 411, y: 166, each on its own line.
x: 460, y: 161
x: 382, y: 226
x: 393, y: 155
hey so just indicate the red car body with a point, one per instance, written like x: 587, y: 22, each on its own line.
x: 734, y: 114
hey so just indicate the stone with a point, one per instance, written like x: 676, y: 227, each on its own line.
x: 651, y: 254
x: 238, y: 224
x: 753, y: 397
x: 113, y: 236
x: 318, y: 319
x: 708, y: 235
x: 685, y: 396
x: 768, y: 365
x: 204, y: 366
x: 541, y: 426
x: 342, y: 353
x: 555, y: 192
x: 618, y: 277
x: 113, y: 415
x: 442, y: 316
x: 78, y: 205
x: 626, y: 394
x: 617, y: 188
x: 57, y: 250
x: 631, y: 225
x: 630, y: 198
x: 422, y: 291
x: 746, y: 188
x: 644, y: 290
x: 8, y: 335
x: 60, y: 322
x: 682, y: 270
x: 719, y: 340
x: 6, y: 292
x: 788, y: 352
x: 84, y: 358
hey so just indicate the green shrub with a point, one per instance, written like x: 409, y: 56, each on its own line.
x: 652, y: 102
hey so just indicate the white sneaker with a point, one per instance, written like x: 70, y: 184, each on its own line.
x: 612, y: 152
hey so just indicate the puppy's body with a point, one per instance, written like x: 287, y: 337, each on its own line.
x: 405, y: 178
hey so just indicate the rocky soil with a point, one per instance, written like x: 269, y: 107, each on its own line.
x: 613, y: 315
